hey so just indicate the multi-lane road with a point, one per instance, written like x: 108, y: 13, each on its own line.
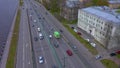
x: 34, y: 16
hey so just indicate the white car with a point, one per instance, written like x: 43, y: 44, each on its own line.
x: 50, y: 36
x: 34, y: 21
x: 38, y: 29
x: 41, y: 60
x: 93, y: 44
x: 41, y: 36
x: 98, y: 57
x: 87, y: 40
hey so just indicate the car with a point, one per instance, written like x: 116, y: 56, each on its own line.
x: 93, y: 44
x: 88, y: 40
x: 33, y: 25
x: 118, y: 52
x: 50, y: 36
x: 112, y: 54
x: 74, y: 48
x: 35, y: 38
x: 72, y: 27
x: 69, y: 52
x: 78, y: 33
x: 61, y: 30
x: 98, y: 57
x: 34, y: 21
x: 41, y: 59
x: 41, y: 36
x: 56, y: 45
x: 38, y: 29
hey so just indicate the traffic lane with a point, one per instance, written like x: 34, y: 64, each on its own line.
x: 49, y: 17
x: 74, y: 59
x: 20, y: 46
x: 46, y: 29
x: 27, y: 45
x: 54, y: 22
x: 23, y: 59
x: 36, y: 46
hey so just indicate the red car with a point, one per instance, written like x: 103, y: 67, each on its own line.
x: 118, y: 52
x: 78, y: 33
x: 69, y: 52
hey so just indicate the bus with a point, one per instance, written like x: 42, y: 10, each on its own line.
x: 56, y: 34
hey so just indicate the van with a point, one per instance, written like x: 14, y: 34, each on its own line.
x: 69, y: 52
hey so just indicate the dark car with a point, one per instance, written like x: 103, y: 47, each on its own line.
x: 72, y: 27
x: 56, y: 45
x: 61, y: 30
x: 69, y: 52
x: 35, y: 38
x: 112, y: 54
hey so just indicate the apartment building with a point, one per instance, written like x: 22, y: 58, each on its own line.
x: 69, y: 9
x: 114, y: 4
x: 102, y: 23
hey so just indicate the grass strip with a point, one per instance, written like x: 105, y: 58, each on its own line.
x: 13, y: 45
x: 118, y: 56
x: 21, y: 2
x: 109, y: 63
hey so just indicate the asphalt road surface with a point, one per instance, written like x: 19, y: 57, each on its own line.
x: 24, y: 54
x: 29, y: 49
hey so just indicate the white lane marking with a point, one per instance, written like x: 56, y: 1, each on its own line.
x: 23, y: 56
x: 23, y: 45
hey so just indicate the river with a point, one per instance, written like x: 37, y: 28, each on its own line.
x: 7, y: 12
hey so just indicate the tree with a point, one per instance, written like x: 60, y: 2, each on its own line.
x: 100, y: 2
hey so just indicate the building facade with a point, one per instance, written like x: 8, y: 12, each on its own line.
x: 69, y: 9
x: 102, y: 23
x: 114, y: 4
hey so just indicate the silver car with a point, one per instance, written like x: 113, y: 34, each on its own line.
x: 41, y: 59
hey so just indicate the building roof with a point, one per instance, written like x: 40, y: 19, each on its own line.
x: 104, y: 13
x: 114, y: 1
x: 72, y: 3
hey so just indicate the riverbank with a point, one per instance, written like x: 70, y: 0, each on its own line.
x: 8, y: 42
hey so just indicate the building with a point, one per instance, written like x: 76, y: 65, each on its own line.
x: 102, y: 23
x: 114, y: 4
x: 69, y: 9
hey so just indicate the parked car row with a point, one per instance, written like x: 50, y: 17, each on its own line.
x: 115, y: 53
